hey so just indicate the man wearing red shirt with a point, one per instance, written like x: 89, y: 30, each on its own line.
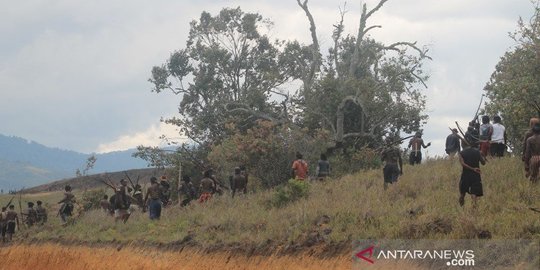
x: 299, y: 168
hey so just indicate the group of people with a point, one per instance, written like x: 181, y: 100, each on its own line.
x: 9, y: 219
x: 300, y: 171
x: 482, y: 140
x: 473, y: 148
x: 489, y: 139
x: 158, y: 194
x: 125, y: 199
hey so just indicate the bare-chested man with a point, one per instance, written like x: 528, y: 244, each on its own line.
x: 416, y: 143
x: 153, y: 199
x: 532, y: 156
x: 239, y: 182
x: 31, y: 215
x: 186, y: 191
x: 67, y: 207
x: 41, y: 213
x: 391, y: 156
x: 528, y: 134
x: 123, y: 201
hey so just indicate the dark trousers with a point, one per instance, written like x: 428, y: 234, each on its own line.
x: 3, y: 230
x: 154, y: 209
x: 497, y: 149
x: 415, y: 157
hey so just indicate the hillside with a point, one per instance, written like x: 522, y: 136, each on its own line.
x: 422, y: 205
x: 95, y: 180
x: 25, y: 163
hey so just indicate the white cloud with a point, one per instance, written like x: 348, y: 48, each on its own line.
x: 148, y: 137
x: 73, y: 73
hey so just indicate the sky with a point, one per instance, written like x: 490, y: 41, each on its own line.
x: 74, y: 74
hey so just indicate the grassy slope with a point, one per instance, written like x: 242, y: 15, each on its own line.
x: 423, y: 204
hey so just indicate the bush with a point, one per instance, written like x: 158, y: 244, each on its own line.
x: 91, y: 199
x: 362, y: 159
x: 263, y: 145
x: 290, y: 192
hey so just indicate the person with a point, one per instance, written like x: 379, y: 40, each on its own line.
x: 12, y: 219
x: 186, y: 191
x: 323, y: 168
x: 415, y: 157
x: 470, y: 182
x: 471, y: 136
x: 207, y: 187
x: 299, y: 168
x: 532, y: 156
x: 498, y: 138
x: 41, y: 213
x: 138, y: 197
x: 485, y: 133
x: 105, y: 204
x: 218, y: 186
x: 244, y: 172
x: 152, y: 199
x: 238, y: 182
x: 453, y: 145
x: 165, y: 191
x: 66, y: 210
x: 123, y: 201
x: 393, y: 164
x: 3, y: 223
x: 527, y: 135
x: 31, y: 215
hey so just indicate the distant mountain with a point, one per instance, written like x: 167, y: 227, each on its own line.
x: 25, y: 163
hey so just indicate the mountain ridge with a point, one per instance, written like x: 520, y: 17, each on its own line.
x: 26, y: 163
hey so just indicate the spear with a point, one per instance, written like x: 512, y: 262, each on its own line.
x: 9, y: 203
x: 129, y: 179
x: 462, y: 134
x: 20, y: 207
x: 478, y: 109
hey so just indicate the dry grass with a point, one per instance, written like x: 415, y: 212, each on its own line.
x: 52, y: 256
x: 422, y: 205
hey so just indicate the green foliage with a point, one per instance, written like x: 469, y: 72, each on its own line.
x: 362, y: 159
x: 367, y: 89
x: 290, y: 192
x: 91, y: 198
x: 228, y: 70
x: 267, y: 150
x: 515, y: 84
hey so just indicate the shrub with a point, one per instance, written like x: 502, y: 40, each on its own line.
x: 290, y: 192
x: 267, y: 150
x: 362, y: 159
x: 91, y: 199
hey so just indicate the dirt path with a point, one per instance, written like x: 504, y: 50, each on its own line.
x: 55, y: 256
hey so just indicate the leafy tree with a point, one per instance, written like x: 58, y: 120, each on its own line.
x: 365, y: 89
x: 514, y: 86
x: 90, y: 161
x: 230, y: 74
x: 227, y: 72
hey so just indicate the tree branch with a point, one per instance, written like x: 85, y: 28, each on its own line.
x: 316, y: 54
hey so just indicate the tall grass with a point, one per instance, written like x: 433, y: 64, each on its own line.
x: 53, y: 256
x: 423, y: 204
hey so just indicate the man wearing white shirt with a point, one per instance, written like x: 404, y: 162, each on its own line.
x: 498, y: 138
